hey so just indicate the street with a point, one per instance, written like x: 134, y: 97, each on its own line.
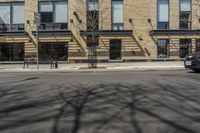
x: 100, y: 102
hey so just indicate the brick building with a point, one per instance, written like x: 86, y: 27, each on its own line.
x: 123, y: 30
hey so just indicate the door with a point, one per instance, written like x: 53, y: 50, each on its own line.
x: 115, y: 50
x: 198, y: 45
x: 185, y: 47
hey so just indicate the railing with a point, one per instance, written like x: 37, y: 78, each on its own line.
x: 53, y: 26
x: 185, y: 25
x: 11, y: 27
x: 117, y: 26
x: 163, y: 25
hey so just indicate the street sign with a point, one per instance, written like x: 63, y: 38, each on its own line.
x: 36, y: 18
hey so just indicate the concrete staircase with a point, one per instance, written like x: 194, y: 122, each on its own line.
x: 76, y: 35
x: 138, y: 40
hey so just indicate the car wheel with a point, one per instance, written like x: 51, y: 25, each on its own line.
x: 196, y: 70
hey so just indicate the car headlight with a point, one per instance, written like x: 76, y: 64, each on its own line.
x: 190, y: 56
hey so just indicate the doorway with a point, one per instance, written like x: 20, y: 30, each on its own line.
x: 185, y: 47
x: 115, y: 49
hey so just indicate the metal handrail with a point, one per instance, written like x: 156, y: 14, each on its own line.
x: 119, y: 26
x: 11, y: 27
x: 53, y: 26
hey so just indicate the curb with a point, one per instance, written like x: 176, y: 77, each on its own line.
x: 90, y: 70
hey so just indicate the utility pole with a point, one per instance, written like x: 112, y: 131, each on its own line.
x: 37, y: 23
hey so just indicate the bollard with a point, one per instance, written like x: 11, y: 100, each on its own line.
x: 52, y: 64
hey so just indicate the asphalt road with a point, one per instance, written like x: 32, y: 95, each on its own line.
x: 106, y: 102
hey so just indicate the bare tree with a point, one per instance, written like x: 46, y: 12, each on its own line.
x: 90, y: 18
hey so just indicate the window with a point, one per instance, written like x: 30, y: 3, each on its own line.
x: 185, y: 47
x: 46, y: 12
x: 117, y: 15
x: 163, y: 48
x: 5, y: 13
x: 11, y: 16
x: 163, y: 14
x: 92, y: 15
x: 93, y: 5
x: 198, y: 45
x: 18, y: 13
x: 11, y: 52
x: 48, y: 51
x: 60, y: 12
x: 185, y: 14
x: 53, y: 15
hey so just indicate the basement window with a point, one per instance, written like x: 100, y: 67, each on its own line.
x: 12, y: 52
x: 163, y: 48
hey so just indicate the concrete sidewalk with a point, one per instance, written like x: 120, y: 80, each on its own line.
x: 82, y: 67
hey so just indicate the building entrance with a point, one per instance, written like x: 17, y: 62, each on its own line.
x: 185, y: 47
x: 115, y: 50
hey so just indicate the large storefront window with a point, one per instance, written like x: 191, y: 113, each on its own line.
x: 163, y: 14
x: 163, y: 48
x: 117, y: 15
x: 185, y: 14
x: 12, y: 16
x: 50, y: 51
x: 185, y: 47
x: 54, y: 15
x: 11, y: 52
x: 115, y: 49
x: 198, y: 45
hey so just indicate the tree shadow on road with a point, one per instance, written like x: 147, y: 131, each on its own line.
x: 101, y: 108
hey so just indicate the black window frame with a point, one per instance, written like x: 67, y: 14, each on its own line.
x: 165, y: 24
x: 53, y: 25
x: 189, y: 24
x: 167, y: 47
x: 118, y: 25
x: 13, y: 27
x: 94, y: 14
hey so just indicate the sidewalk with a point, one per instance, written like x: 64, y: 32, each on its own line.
x: 82, y: 67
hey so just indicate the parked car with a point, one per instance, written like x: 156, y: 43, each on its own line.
x: 192, y: 62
